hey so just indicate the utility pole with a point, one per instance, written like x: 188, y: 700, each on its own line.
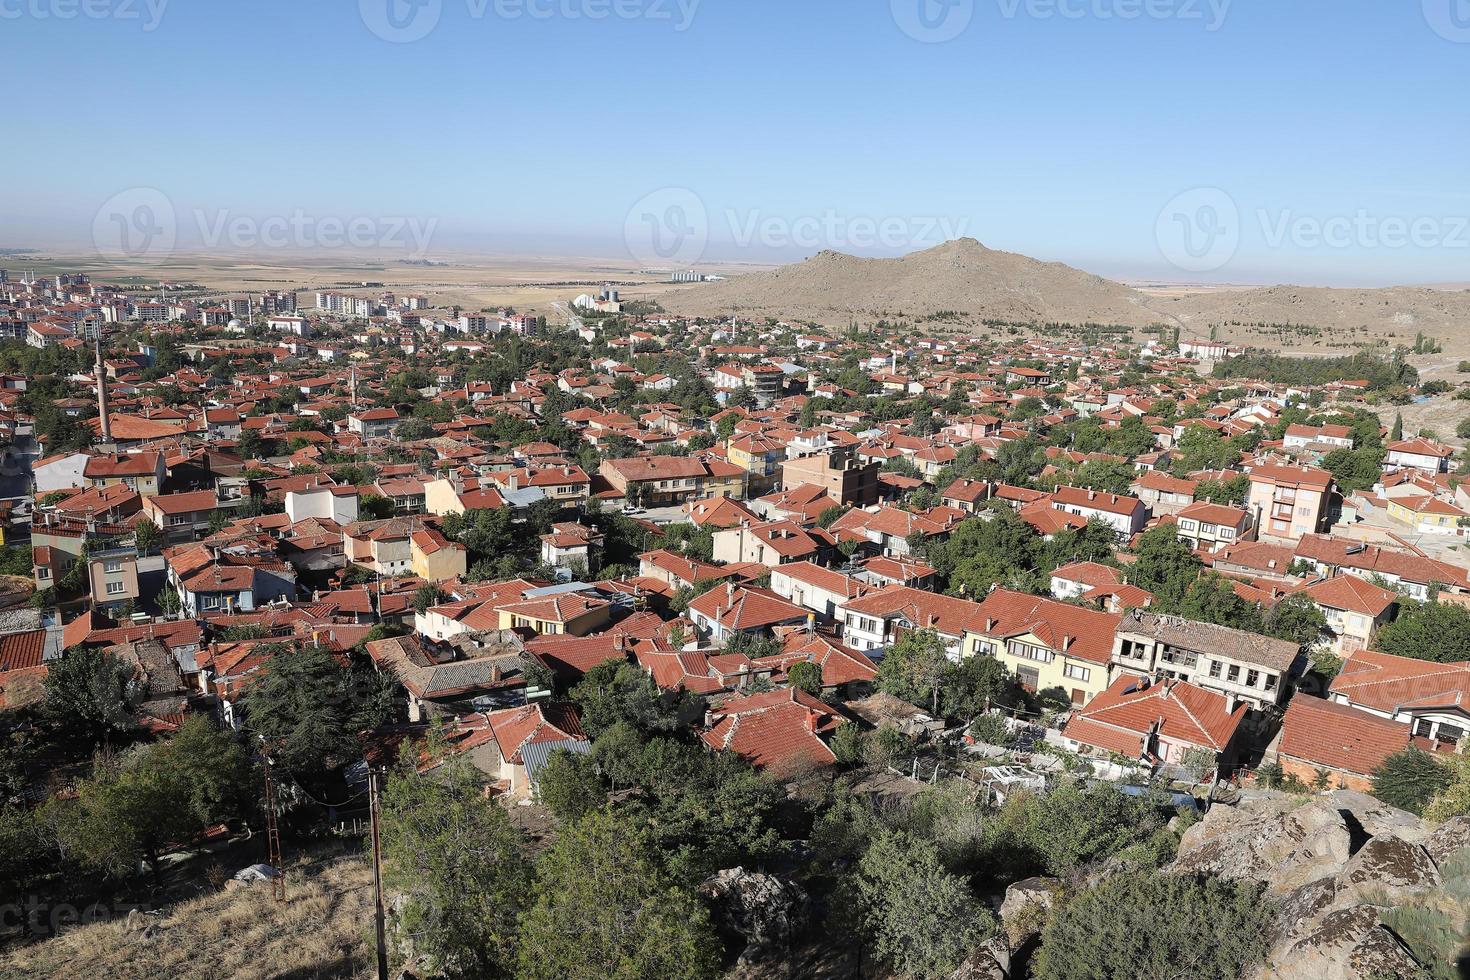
x: 273, y: 836
x: 377, y: 875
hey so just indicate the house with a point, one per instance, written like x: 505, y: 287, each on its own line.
x: 1050, y: 645
x: 407, y: 494
x: 374, y: 423
x: 1432, y: 699
x: 232, y: 588
x: 1125, y: 515
x: 1162, y: 493
x: 549, y: 612
x: 1158, y: 723
x: 677, y: 571
x: 523, y: 739
x: 1211, y: 527
x: 1419, y: 454
x: 846, y: 479
x: 59, y: 472
x: 1427, y: 514
x: 434, y: 558
x: 770, y: 544
x: 821, y: 590
x: 846, y: 673
x: 1299, y: 436
x: 440, y: 679
x: 1410, y: 572
x: 1241, y: 666
x: 966, y: 495
x: 1080, y: 577
x: 181, y: 516
x: 778, y: 731
x: 724, y: 611
x: 325, y: 502
x: 143, y: 472
x: 879, y: 619
x: 656, y: 480
x: 571, y: 546
x: 759, y: 457
x: 1318, y: 735
x: 112, y: 577
x: 1355, y: 608
x: 1289, y: 501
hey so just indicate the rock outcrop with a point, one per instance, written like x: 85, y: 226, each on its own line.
x: 763, y: 910
x: 1335, y: 866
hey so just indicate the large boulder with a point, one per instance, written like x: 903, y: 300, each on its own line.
x: 1349, y: 944
x: 1023, y: 913
x: 763, y: 910
x: 1283, y: 843
x: 992, y: 961
x: 1387, y: 871
x: 1451, y: 836
x: 1368, y: 817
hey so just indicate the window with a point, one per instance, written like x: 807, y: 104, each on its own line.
x: 1029, y: 651
x: 1233, y: 674
x: 115, y: 588
x: 1214, y: 668
x: 112, y: 565
x: 1252, y: 677
x: 178, y: 520
x: 209, y: 601
x: 1270, y: 682
x: 1077, y: 673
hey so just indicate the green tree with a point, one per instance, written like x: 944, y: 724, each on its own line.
x: 310, y: 709
x: 1165, y: 566
x: 456, y: 859
x: 914, y: 669
x: 1433, y: 631
x: 805, y: 676
x: 92, y: 693
x: 1156, y: 926
x: 376, y: 507
x: 922, y: 919
x: 570, y: 786
x: 616, y: 691
x: 1410, y: 779
x: 154, y: 796
x: 606, y: 910
x: 146, y: 535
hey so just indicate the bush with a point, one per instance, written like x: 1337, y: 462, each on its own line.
x: 1410, y: 779
x: 992, y: 730
x: 1153, y: 926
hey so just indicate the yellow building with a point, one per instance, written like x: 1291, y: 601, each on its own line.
x: 1046, y: 643
x: 434, y: 557
x: 571, y: 613
x: 1426, y: 514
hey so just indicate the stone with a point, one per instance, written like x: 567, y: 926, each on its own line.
x: 1279, y: 842
x: 1447, y: 838
x: 763, y: 910
x: 1023, y: 913
x: 1387, y: 871
x: 992, y: 961
x: 1349, y: 944
x: 1368, y: 817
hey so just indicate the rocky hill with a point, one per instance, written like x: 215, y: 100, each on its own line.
x: 966, y: 278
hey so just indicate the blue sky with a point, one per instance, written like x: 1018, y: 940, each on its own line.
x: 1064, y: 129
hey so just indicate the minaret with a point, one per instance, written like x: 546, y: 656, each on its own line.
x: 101, y: 372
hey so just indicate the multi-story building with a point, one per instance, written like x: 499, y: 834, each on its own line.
x: 1287, y: 502
x: 1211, y: 527
x: 846, y: 479
x: 1249, y: 667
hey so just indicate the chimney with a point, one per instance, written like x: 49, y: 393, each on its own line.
x: 811, y: 720
x: 1067, y: 643
x: 989, y: 624
x: 1092, y: 495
